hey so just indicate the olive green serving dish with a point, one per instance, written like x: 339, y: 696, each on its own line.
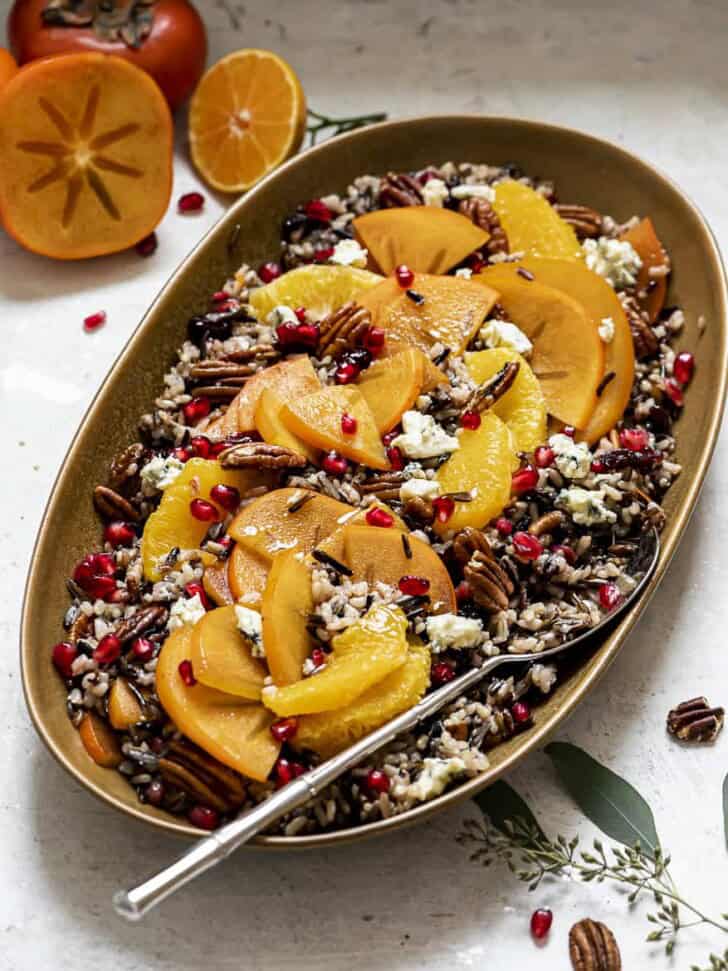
x: 586, y: 170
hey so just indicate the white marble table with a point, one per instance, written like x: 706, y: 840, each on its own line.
x: 651, y: 76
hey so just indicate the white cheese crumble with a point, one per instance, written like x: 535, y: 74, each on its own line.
x: 587, y: 506
x: 501, y: 333
x: 572, y: 459
x: 250, y: 625
x: 614, y: 259
x: 434, y: 192
x: 348, y: 252
x: 159, y: 473
x: 464, y: 272
x: 473, y: 192
x: 543, y: 677
x: 185, y: 611
x: 452, y: 632
x: 419, y: 489
x: 281, y: 315
x: 606, y: 330
x: 423, y: 438
x: 436, y: 774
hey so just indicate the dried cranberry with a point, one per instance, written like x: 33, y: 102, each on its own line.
x: 346, y: 373
x: 284, y: 729
x: 504, y: 526
x: 94, y: 321
x: 147, y: 246
x: 674, y: 392
x: 204, y: 511
x: 521, y: 712
x: 444, y: 507
x: 470, y: 420
x: 63, y: 656
x: 335, y: 464
x: 377, y: 782
x: 269, y: 272
x: 190, y: 202
x: 195, y: 589
x: 405, y: 276
x: 541, y: 921
x: 463, y: 591
x: 568, y: 552
x: 317, y: 211
x: 633, y: 438
x: 201, y: 446
x: 396, y: 459
x: 441, y: 672
x: 349, y: 424
x: 524, y: 480
x: 119, y: 534
x: 184, y: 669
x: 374, y: 340
x: 226, y: 496
x: 107, y: 650
x: 609, y: 596
x: 624, y: 458
x: 683, y: 367
x: 143, y: 649
x: 526, y: 546
x: 376, y: 516
x: 95, y: 575
x: 413, y: 586
x: 204, y: 817
x: 544, y: 456
x: 154, y: 793
x: 196, y: 410
x: 658, y: 419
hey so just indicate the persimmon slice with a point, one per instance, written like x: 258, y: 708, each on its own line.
x: 645, y: 240
x: 8, y: 67
x: 247, y: 116
x: 86, y: 155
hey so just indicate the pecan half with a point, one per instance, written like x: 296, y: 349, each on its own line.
x: 592, y: 947
x: 643, y: 337
x: 396, y: 190
x: 482, y: 214
x: 140, y: 622
x: 419, y: 509
x: 126, y: 466
x: 203, y: 778
x: 343, y: 330
x: 468, y: 542
x: 111, y: 505
x: 695, y: 721
x: 546, y: 523
x: 219, y: 370
x: 489, y: 582
x: 384, y: 486
x: 258, y: 352
x: 502, y: 727
x: 80, y: 627
x: 217, y: 392
x: 486, y: 394
x: 586, y: 222
x: 260, y: 455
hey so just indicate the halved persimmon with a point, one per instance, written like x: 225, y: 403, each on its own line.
x: 86, y: 155
x: 8, y: 67
x: 247, y: 116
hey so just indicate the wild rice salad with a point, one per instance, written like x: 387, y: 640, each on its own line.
x: 551, y: 561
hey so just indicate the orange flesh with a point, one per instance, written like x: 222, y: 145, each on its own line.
x: 645, y: 241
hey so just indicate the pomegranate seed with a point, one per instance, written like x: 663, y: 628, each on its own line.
x: 463, y: 591
x: 318, y: 657
x: 377, y: 782
x: 323, y: 255
x: 569, y: 430
x: 219, y: 296
x: 598, y: 466
x: 441, y: 672
x: 396, y: 459
x: 63, y: 656
x: 374, y: 340
x: 634, y: 439
x: 609, y: 596
x: 470, y: 420
x: 504, y: 526
x: 297, y: 336
x: 201, y: 446
x: 269, y: 272
x: 444, y: 507
x: 544, y: 456
x: 119, y: 534
x: 674, y: 392
x: 143, y: 649
x: 204, y: 511
x: 413, y: 586
x: 226, y: 542
x: 390, y: 436
x: 376, y: 516
x: 226, y: 496
x: 568, y: 553
x: 107, y: 650
x: 147, y: 246
x: 524, y: 480
x: 405, y: 276
x: 204, y: 817
x: 348, y: 424
x: 318, y: 211
x: 347, y: 372
x: 195, y: 589
x: 300, y: 313
x: 191, y: 202
x: 95, y: 575
x: 154, y: 793
x: 541, y: 921
x: 335, y: 464
x: 186, y: 673
x: 217, y: 447
x: 196, y: 410
x: 284, y: 729
x: 683, y: 367
x: 521, y: 712
x: 283, y: 772
x: 527, y: 547
x: 94, y: 321
x: 182, y: 454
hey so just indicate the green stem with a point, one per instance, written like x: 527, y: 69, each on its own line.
x: 340, y: 125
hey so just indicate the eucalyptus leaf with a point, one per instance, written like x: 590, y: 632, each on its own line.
x: 725, y: 808
x: 609, y: 801
x: 501, y: 802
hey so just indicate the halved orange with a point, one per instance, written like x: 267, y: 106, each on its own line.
x: 247, y: 116
x: 8, y: 67
x: 85, y: 155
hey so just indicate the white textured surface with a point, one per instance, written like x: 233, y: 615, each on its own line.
x: 651, y: 76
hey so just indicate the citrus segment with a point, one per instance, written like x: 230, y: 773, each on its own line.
x: 522, y: 407
x: 320, y: 289
x: 532, y: 225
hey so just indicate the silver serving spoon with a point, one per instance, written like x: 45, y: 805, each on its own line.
x: 134, y: 904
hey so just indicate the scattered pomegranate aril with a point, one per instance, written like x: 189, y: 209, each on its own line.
x: 544, y: 456
x: 346, y: 373
x: 196, y: 410
x: 463, y: 591
x: 470, y: 420
x: 598, y: 466
x: 609, y: 596
x: 541, y: 921
x: 524, y: 480
x: 195, y: 589
x: 226, y: 496
x: 335, y: 464
x: 63, y: 656
x: 94, y: 321
x: 182, y: 453
x: 674, y: 392
x: 204, y: 817
x: 441, y: 672
x: 526, y: 546
x: 317, y: 211
x: 119, y: 533
x: 148, y: 245
x: 154, y: 793
x: 184, y: 669
x: 318, y: 657
x: 190, y: 202
x: 284, y: 729
x: 204, y: 511
x: 283, y: 772
x: 504, y: 526
x: 379, y: 517
x: 107, y: 650
x: 568, y: 430
x: 413, y: 586
x: 374, y: 340
x: 300, y: 313
x: 390, y: 436
x: 143, y: 649
x: 217, y: 447
x: 405, y: 276
x: 349, y: 424
x: 634, y: 439
x: 568, y: 552
x: 268, y: 272
x: 323, y: 255
x: 201, y: 446
x: 396, y: 458
x: 377, y: 782
x: 521, y: 712
x: 219, y: 296
x: 95, y: 575
x: 444, y: 507
x: 684, y: 367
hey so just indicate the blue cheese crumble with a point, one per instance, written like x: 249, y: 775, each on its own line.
x: 606, y: 330
x: 572, y: 459
x: 250, y: 625
x: 281, y: 315
x: 501, y: 333
x: 185, y: 611
x: 348, y: 252
x: 435, y: 192
x: 159, y: 473
x: 466, y: 191
x: 587, y: 507
x: 423, y: 438
x: 452, y: 632
x: 614, y: 259
x: 434, y: 778
x: 419, y: 489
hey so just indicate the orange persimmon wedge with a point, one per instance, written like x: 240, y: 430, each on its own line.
x: 86, y: 155
x: 650, y: 250
x: 247, y: 116
x: 8, y: 67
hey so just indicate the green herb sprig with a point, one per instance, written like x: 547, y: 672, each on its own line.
x: 321, y: 123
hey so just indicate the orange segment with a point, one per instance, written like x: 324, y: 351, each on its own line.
x: 86, y: 155
x: 247, y: 116
x: 320, y: 289
x: 532, y: 225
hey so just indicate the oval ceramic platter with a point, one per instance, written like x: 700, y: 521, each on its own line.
x: 585, y: 169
